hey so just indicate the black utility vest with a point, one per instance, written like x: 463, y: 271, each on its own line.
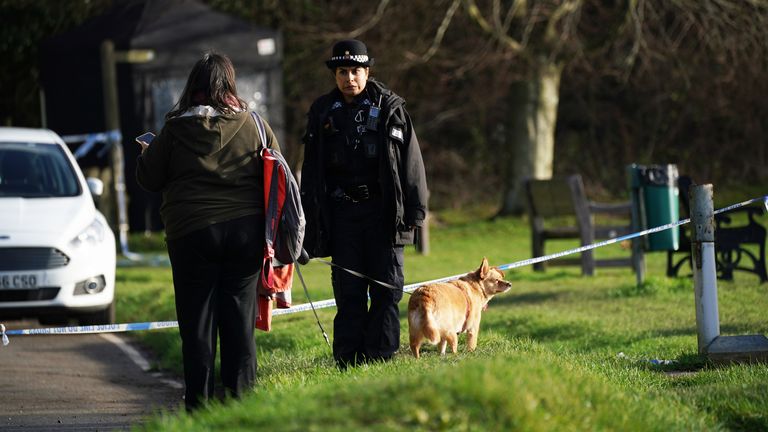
x: 352, y: 147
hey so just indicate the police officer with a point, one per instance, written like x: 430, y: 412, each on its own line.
x: 364, y: 192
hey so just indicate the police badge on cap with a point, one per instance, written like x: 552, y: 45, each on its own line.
x: 350, y: 52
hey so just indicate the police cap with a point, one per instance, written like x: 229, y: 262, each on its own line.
x: 349, y: 52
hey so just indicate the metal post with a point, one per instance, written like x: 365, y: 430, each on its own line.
x: 112, y: 123
x: 704, y: 270
x: 638, y: 257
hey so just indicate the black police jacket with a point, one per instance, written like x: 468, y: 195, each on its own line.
x: 401, y: 171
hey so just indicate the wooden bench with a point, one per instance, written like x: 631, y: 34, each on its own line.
x: 731, y: 241
x: 558, y: 208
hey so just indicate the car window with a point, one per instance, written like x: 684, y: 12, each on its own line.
x: 33, y: 170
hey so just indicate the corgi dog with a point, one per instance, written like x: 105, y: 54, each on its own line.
x: 440, y: 312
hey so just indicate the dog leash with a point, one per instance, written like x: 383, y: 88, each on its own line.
x: 360, y: 275
x: 330, y: 264
x: 312, y: 305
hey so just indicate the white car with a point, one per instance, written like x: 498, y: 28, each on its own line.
x: 57, y: 252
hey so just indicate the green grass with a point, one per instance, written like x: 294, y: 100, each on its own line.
x: 558, y: 352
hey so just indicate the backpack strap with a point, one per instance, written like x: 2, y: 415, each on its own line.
x: 260, y: 127
x: 270, y: 204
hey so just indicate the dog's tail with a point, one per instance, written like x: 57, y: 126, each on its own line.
x: 421, y: 322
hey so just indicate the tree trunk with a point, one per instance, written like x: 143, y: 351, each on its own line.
x: 533, y: 116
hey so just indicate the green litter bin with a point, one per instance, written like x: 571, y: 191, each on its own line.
x: 655, y: 200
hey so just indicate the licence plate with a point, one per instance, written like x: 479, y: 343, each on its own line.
x: 20, y: 280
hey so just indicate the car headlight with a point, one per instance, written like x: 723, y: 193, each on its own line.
x: 93, y: 234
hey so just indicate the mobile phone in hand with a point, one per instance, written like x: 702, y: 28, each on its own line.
x: 145, y: 139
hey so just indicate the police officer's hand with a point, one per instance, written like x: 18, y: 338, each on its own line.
x: 304, y: 258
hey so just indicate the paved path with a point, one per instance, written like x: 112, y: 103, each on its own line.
x: 78, y: 382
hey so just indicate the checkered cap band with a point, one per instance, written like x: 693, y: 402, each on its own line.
x: 355, y: 58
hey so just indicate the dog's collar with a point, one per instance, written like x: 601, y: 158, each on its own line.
x: 466, y: 315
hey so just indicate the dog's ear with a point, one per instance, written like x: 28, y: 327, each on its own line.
x: 482, y: 272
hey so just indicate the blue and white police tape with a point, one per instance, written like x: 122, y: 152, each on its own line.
x: 111, y: 328
x: 91, y: 139
x: 106, y: 328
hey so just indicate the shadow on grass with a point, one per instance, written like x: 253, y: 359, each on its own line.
x: 727, y: 329
x: 527, y: 298
x: 544, y: 332
x: 581, y: 336
x: 746, y: 423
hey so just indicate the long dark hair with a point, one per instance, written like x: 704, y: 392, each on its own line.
x: 211, y: 82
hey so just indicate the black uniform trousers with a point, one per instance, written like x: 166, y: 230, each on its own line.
x: 361, y: 242
x: 215, y: 271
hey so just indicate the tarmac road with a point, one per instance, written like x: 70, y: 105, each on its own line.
x: 78, y: 382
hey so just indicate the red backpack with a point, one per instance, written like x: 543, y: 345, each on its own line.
x: 283, y: 230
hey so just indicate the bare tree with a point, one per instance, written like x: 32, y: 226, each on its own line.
x: 541, y: 34
x: 626, y: 40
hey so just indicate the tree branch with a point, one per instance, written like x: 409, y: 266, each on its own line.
x: 365, y: 27
x: 477, y: 16
x: 563, y: 11
x: 441, y: 31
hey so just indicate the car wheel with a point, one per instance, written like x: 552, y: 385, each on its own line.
x: 105, y: 316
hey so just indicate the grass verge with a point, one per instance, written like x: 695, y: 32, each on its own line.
x: 558, y: 352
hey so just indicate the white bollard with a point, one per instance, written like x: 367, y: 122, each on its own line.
x: 704, y: 265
